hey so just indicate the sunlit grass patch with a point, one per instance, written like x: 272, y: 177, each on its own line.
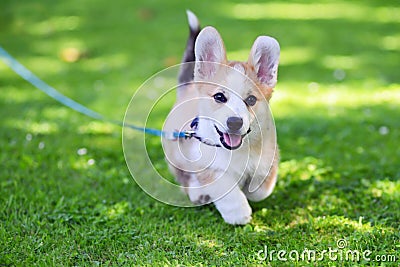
x: 312, y: 11
x: 62, y: 23
x: 339, y: 95
x: 96, y: 127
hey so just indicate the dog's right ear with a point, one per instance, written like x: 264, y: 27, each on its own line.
x: 209, y: 47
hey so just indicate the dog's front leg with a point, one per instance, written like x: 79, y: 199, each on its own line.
x: 230, y: 201
x: 234, y: 207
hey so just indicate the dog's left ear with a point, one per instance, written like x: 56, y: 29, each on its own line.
x: 264, y: 57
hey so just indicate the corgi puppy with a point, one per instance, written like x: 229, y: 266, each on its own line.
x: 233, y: 155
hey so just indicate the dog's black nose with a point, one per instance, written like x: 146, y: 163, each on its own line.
x: 234, y: 123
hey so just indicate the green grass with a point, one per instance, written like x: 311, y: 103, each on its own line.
x: 338, y: 134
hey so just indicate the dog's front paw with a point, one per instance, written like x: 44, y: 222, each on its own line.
x: 241, y: 215
x: 237, y: 220
x: 234, y: 207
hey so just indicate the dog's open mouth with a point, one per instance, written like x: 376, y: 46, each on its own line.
x: 231, y: 141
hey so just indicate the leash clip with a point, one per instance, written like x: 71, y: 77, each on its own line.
x: 174, y: 136
x: 189, y: 134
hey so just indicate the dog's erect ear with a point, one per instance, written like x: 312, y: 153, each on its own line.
x: 264, y: 56
x: 209, y: 47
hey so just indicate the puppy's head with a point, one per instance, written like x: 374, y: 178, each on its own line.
x: 230, y: 92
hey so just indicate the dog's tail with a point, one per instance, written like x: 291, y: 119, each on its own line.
x: 186, y: 70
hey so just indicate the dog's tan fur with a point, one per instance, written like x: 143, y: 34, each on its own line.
x: 216, y: 174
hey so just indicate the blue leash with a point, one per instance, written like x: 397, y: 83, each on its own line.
x: 66, y: 101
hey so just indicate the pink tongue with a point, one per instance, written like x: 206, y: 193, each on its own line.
x: 232, y: 140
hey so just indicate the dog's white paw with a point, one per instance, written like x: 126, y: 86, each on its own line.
x: 237, y: 216
x: 237, y: 220
x: 234, y: 207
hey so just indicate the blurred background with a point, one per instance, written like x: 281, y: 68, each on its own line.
x: 94, y: 50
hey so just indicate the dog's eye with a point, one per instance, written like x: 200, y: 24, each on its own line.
x: 220, y: 98
x: 250, y: 100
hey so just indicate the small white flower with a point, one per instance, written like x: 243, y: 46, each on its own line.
x: 313, y: 87
x: 383, y: 130
x: 28, y: 137
x: 81, y: 151
x: 339, y: 74
x: 41, y: 145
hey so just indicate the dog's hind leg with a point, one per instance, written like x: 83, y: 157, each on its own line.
x: 186, y: 70
x: 267, y: 186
